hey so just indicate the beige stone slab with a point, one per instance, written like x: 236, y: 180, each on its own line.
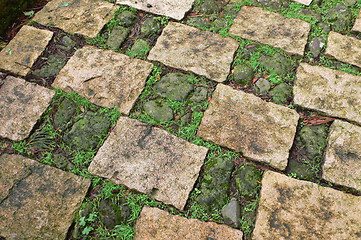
x: 295, y: 209
x: 21, y: 105
x: 84, y: 17
x: 36, y: 200
x: 156, y: 224
x: 304, y: 2
x: 245, y: 123
x: 289, y: 34
x: 106, y: 78
x: 343, y: 155
x: 344, y: 48
x: 333, y: 92
x: 171, y: 8
x: 24, y: 49
x: 190, y: 49
x: 149, y: 160
x: 357, y: 26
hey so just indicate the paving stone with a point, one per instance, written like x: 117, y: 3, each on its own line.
x: 24, y: 49
x: 149, y: 160
x: 333, y: 92
x: 37, y: 200
x: 190, y: 49
x: 289, y: 34
x: 295, y: 209
x: 84, y: 17
x: 21, y: 105
x: 106, y: 78
x: 245, y: 123
x: 304, y: 2
x: 171, y: 8
x: 156, y: 224
x: 357, y: 26
x: 343, y: 155
x: 344, y: 48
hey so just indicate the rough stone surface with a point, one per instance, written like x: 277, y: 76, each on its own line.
x: 276, y: 63
x: 232, y: 213
x: 21, y: 105
x: 149, y: 27
x: 171, y: 8
x: 117, y: 37
x: 263, y: 85
x: 191, y: 49
x: 66, y: 111
x: 357, y: 26
x: 304, y: 2
x: 150, y: 160
x: 84, y: 17
x: 247, y: 181
x: 156, y: 224
x: 37, y: 200
x: 140, y: 48
x: 267, y: 27
x: 294, y: 209
x: 20, y: 54
x: 333, y: 92
x: 343, y: 155
x: 174, y: 86
x: 281, y: 93
x: 111, y: 215
x: 106, y: 78
x: 235, y: 119
x: 53, y: 64
x: 199, y: 95
x: 344, y: 48
x: 340, y: 17
x: 159, y: 111
x: 243, y: 74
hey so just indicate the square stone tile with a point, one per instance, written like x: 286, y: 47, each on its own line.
x: 149, y: 160
x: 190, y: 49
x: 84, y: 17
x: 106, y: 78
x: 257, y: 24
x: 24, y: 49
x: 21, y: 105
x: 245, y: 123
x: 36, y: 200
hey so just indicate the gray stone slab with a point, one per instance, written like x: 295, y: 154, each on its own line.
x: 21, y: 105
x: 304, y: 2
x: 343, y: 155
x: 245, y: 123
x: 289, y: 34
x: 294, y: 209
x: 171, y: 8
x: 84, y: 17
x: 149, y: 160
x: 36, y: 200
x: 191, y: 49
x: 333, y: 92
x: 344, y: 48
x: 156, y: 224
x: 357, y: 26
x: 106, y: 78
x: 24, y: 49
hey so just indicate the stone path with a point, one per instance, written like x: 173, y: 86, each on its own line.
x: 219, y: 136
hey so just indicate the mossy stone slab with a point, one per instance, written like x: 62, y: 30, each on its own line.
x: 117, y: 37
x: 174, y: 86
x: 159, y: 111
x: 248, y: 181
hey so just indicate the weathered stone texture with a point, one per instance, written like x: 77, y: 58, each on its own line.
x: 344, y: 48
x: 156, y: 224
x: 21, y: 105
x: 37, y: 200
x: 294, y: 209
x: 289, y: 34
x: 191, y: 49
x: 243, y: 122
x: 333, y: 92
x: 84, y: 17
x: 149, y: 160
x: 357, y: 26
x: 304, y: 2
x: 106, y: 78
x: 24, y: 49
x: 171, y: 8
x: 343, y: 155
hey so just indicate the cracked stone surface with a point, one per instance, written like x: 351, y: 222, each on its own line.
x: 171, y: 8
x: 295, y: 209
x: 37, y: 200
x: 357, y: 26
x: 190, y: 49
x: 254, y: 23
x: 106, y: 78
x: 344, y: 48
x: 21, y: 105
x: 343, y: 155
x: 84, y: 17
x: 236, y: 120
x: 333, y: 92
x: 20, y: 54
x: 156, y: 224
x: 149, y: 160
